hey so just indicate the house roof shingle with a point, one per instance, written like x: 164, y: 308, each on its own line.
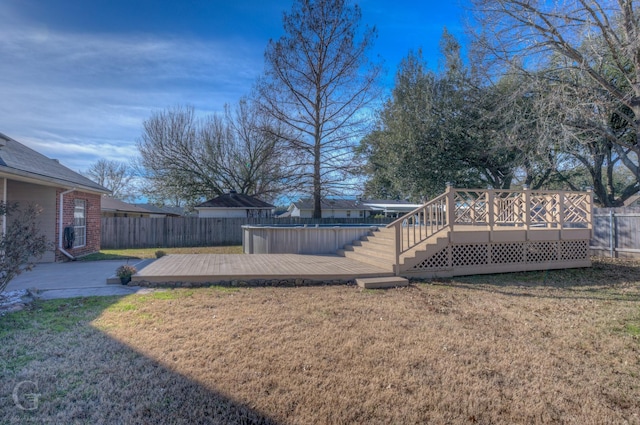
x: 112, y: 204
x: 171, y: 211
x: 18, y: 159
x: 387, y: 201
x: 235, y: 200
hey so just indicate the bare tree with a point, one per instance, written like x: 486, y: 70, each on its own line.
x: 22, y: 244
x: 318, y: 82
x: 115, y: 176
x: 188, y: 158
x: 588, y: 53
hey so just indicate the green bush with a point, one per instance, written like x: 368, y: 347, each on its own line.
x: 160, y: 253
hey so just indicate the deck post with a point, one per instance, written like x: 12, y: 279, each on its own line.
x: 527, y: 207
x: 398, y: 248
x: 589, y: 208
x: 491, y: 210
x: 561, y: 197
x: 451, y: 205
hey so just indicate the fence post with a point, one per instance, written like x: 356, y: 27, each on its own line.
x: 611, y: 234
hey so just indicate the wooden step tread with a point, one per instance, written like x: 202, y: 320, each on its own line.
x: 367, y: 259
x: 381, y: 282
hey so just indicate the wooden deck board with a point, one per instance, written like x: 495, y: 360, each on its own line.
x: 217, y: 267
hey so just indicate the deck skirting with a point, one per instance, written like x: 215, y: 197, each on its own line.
x: 459, y: 259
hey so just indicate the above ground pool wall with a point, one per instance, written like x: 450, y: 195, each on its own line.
x: 299, y: 240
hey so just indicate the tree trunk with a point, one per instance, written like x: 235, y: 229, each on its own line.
x: 317, y: 185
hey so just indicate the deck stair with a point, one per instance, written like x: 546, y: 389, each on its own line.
x: 381, y: 282
x: 377, y: 249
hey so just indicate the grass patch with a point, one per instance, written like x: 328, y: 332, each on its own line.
x: 120, y: 307
x: 144, y: 253
x: 633, y: 329
x: 493, y: 349
x: 52, y: 316
x: 171, y: 294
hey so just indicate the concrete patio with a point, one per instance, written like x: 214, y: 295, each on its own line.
x: 74, y: 279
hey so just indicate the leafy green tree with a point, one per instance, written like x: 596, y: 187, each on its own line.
x: 318, y: 82
x: 410, y: 154
x: 438, y: 128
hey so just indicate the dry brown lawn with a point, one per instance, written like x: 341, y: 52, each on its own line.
x: 548, y: 347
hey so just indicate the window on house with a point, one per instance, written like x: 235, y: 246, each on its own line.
x: 80, y: 222
x: 361, y: 214
x: 348, y: 213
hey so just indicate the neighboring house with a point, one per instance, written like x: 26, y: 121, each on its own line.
x: 112, y: 207
x: 234, y: 205
x: 331, y: 208
x: 67, y: 199
x: 349, y: 208
x: 390, y: 208
x: 164, y: 211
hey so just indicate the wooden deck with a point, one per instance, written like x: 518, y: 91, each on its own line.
x: 461, y: 232
x: 241, y: 267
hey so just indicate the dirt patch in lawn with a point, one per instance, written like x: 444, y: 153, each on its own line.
x: 475, y: 350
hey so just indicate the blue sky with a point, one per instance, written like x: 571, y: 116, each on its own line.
x: 78, y: 77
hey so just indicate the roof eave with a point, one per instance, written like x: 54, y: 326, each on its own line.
x: 25, y: 176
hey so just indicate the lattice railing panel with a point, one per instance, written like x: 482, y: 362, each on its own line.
x: 439, y: 260
x: 507, y: 253
x: 509, y: 208
x: 542, y: 252
x: 469, y: 255
x: 576, y: 208
x: 470, y: 207
x: 574, y: 250
x: 544, y: 209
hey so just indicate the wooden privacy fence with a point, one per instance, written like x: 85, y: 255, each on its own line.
x: 616, y: 232
x: 128, y: 232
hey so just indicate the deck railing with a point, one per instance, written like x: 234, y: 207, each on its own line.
x: 494, y: 209
x: 420, y: 224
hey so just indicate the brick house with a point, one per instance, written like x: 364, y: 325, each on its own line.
x: 67, y: 199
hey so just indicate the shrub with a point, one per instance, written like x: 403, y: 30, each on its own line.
x: 23, y: 242
x: 126, y: 271
x: 160, y: 253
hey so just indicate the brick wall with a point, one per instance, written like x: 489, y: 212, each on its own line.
x: 92, y: 202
